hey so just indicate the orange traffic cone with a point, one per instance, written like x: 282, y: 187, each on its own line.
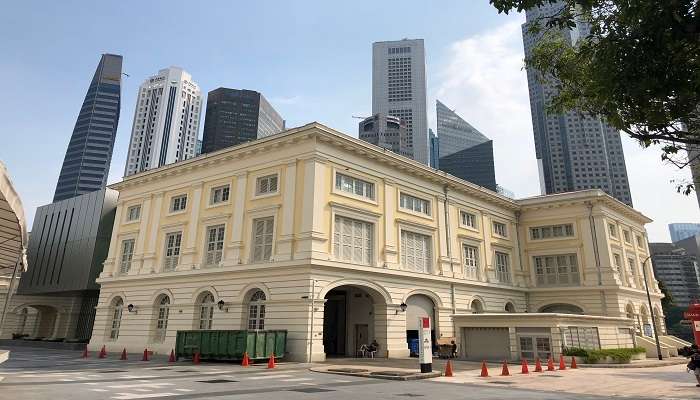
x: 123, y: 357
x: 246, y: 360
x: 573, y: 363
x: 484, y: 370
x: 448, y: 369
x: 145, y: 355
x: 271, y: 361
x: 504, y: 371
x: 172, y: 358
x: 85, y: 353
x: 196, y: 358
x: 562, y: 363
x: 538, y: 365
x: 103, y: 352
x: 550, y: 364
x: 525, y: 369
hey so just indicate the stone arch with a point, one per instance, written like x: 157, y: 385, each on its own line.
x: 249, y: 289
x: 197, y: 294
x: 377, y: 291
x: 437, y: 301
x: 59, y: 309
x: 477, y: 305
x: 113, y: 296
x: 561, y: 308
x: 509, y: 307
x: 161, y: 292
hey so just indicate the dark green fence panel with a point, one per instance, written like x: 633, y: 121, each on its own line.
x: 230, y: 344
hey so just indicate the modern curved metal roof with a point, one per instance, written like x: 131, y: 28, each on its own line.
x: 13, y: 226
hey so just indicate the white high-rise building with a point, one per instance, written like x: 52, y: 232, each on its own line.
x: 398, y: 89
x: 166, y: 121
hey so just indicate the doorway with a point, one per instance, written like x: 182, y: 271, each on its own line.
x: 349, y: 320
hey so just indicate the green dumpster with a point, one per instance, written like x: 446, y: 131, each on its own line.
x: 230, y: 344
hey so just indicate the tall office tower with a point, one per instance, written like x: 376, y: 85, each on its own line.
x: 89, y: 154
x: 166, y: 121
x: 574, y: 150
x: 680, y: 231
x: 398, y: 89
x: 236, y: 116
x: 678, y: 270
x: 385, y: 131
x: 464, y: 151
x: 434, y: 144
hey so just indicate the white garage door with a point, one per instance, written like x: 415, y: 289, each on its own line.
x: 486, y: 343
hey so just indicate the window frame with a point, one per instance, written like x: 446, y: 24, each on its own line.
x: 355, y: 176
x: 122, y: 253
x: 556, y: 269
x: 254, y: 244
x: 494, y: 232
x: 171, y: 206
x: 212, y: 195
x: 162, y: 316
x: 257, y: 194
x: 116, y: 314
x: 256, y: 307
x: 507, y: 270
x: 216, y: 253
x: 415, y: 199
x: 474, y: 227
x: 476, y: 276
x: 177, y: 247
x: 128, y: 219
x: 205, y: 314
x: 537, y: 233
x: 429, y: 264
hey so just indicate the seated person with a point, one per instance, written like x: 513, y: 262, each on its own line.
x: 373, y: 346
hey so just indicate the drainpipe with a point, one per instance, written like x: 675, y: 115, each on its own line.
x: 449, y: 250
x: 594, y: 236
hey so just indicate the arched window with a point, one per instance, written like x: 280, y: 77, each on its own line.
x: 477, y: 307
x: 162, y: 311
x: 561, y: 309
x: 206, y: 311
x: 510, y: 307
x: 256, y: 311
x: 630, y: 311
x: 116, y: 308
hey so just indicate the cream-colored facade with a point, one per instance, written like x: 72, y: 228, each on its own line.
x: 326, y: 236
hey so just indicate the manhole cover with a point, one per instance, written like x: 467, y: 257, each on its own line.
x: 348, y: 370
x: 311, y: 390
x: 109, y: 371
x: 217, y: 381
x: 502, y: 383
x: 392, y: 373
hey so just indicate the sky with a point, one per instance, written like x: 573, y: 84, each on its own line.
x: 311, y: 60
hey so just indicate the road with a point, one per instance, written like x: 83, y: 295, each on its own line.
x: 41, y: 374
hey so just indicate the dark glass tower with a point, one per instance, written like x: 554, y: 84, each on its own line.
x: 236, y: 116
x: 86, y: 165
x: 464, y: 151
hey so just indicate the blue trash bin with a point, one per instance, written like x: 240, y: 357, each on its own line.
x: 413, y: 347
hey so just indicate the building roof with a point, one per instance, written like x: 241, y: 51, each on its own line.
x: 13, y: 225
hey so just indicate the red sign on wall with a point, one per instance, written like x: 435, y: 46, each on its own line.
x: 426, y: 323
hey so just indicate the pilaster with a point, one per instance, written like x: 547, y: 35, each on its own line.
x: 285, y: 239
x: 235, y: 246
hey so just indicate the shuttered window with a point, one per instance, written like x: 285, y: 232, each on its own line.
x: 470, y: 254
x: 266, y: 184
x: 558, y: 270
x: 352, y: 240
x: 263, y: 229
x: 415, y: 251
x: 172, y: 250
x: 215, y: 245
x: 127, y: 255
x: 502, y: 267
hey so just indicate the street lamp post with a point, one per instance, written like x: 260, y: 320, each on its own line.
x: 651, y: 309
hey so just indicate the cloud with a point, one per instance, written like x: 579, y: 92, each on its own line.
x: 484, y: 80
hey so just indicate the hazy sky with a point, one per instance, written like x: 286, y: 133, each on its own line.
x: 311, y: 59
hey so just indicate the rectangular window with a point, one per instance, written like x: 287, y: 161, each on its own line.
x: 215, y: 245
x: 559, y: 270
x: 263, y: 229
x: 471, y: 261
x: 582, y: 337
x: 133, y: 213
x: 640, y: 241
x: 355, y: 186
x: 618, y: 262
x: 266, y: 184
x: 178, y: 203
x: 502, y: 267
x: 626, y: 236
x: 500, y: 229
x: 468, y: 219
x: 127, y: 255
x: 415, y: 251
x: 612, y: 229
x: 219, y: 194
x: 551, y: 231
x: 632, y: 266
x: 416, y: 204
x: 352, y: 240
x: 172, y: 251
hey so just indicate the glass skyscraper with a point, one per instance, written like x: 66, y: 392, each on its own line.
x: 463, y: 151
x: 86, y: 164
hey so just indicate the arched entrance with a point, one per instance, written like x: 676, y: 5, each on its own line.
x: 47, y: 317
x: 350, y: 318
x: 561, y: 308
x: 419, y: 306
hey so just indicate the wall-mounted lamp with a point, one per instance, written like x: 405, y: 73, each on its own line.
x: 403, y: 307
x: 132, y: 308
x: 220, y: 304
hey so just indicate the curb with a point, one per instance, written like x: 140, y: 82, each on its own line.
x: 645, y: 365
x: 364, y: 373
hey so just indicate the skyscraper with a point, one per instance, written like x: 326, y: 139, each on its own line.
x: 678, y: 270
x: 464, y: 151
x: 398, y: 89
x: 434, y: 145
x: 388, y: 132
x: 236, y: 116
x: 680, y: 231
x: 166, y: 121
x: 574, y: 150
x: 89, y: 154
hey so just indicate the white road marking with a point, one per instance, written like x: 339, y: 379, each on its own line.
x: 184, y: 390
x: 143, y: 390
x: 341, y: 381
x: 130, y: 396
x: 90, y: 383
x: 270, y: 376
x: 309, y: 383
x: 143, y: 385
x: 67, y: 380
x: 99, y: 390
x: 297, y: 380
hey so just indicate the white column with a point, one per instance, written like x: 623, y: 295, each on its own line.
x: 312, y: 238
x: 149, y: 253
x: 235, y: 246
x: 390, y: 240
x: 188, y: 253
x: 443, y: 267
x: 286, y: 222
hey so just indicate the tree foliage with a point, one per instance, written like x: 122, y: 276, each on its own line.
x: 639, y: 67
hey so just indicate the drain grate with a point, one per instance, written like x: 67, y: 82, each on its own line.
x: 311, y: 390
x: 217, y: 381
x: 110, y: 371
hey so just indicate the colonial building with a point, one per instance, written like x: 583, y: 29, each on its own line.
x: 341, y: 242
